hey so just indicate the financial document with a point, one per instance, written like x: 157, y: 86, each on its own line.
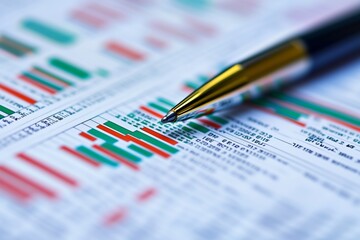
x: 83, y: 155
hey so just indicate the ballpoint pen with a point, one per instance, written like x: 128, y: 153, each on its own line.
x: 274, y: 67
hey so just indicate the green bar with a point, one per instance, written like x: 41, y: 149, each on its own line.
x: 140, y: 150
x: 165, y: 101
x: 154, y: 141
x: 69, y: 68
x: 121, y: 152
x: 142, y: 136
x: 217, y: 119
x: 49, y: 32
x: 43, y: 81
x: 11, y: 49
x: 284, y: 111
x: 319, y: 109
x: 1, y: 116
x: 53, y: 75
x: 198, y: 127
x: 118, y: 128
x: 158, y: 107
x: 6, y: 110
x: 192, y: 85
x: 19, y: 44
x: 96, y: 156
x: 186, y: 129
x: 101, y: 135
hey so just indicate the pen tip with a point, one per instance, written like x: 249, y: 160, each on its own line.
x: 169, y: 117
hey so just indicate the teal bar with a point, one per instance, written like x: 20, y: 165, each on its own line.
x: 1, y: 116
x: 69, y: 68
x: 19, y: 44
x: 49, y: 32
x: 6, y: 110
x: 281, y: 110
x: 217, y: 119
x: 43, y: 81
x: 198, y: 127
x: 166, y: 102
x: 154, y: 141
x: 142, y: 136
x: 158, y: 107
x: 140, y: 150
x: 203, y: 78
x: 103, y: 72
x: 318, y: 108
x: 96, y: 156
x: 121, y: 152
x: 101, y: 135
x: 117, y: 127
x: 192, y: 85
x: 11, y: 49
x: 43, y: 71
x: 186, y: 129
x: 196, y: 4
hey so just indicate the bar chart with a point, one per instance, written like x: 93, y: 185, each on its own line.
x: 114, y: 139
x: 39, y: 86
x: 15, y: 48
x: 84, y: 155
x: 55, y: 68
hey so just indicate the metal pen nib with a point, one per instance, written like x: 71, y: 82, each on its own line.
x: 169, y: 117
x: 243, y: 81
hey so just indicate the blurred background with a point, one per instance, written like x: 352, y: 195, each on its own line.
x: 83, y: 84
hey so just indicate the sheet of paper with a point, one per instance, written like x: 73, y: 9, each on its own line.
x: 83, y: 155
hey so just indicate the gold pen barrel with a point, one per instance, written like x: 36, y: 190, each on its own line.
x: 245, y: 80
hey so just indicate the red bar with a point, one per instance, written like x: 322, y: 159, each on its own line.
x: 120, y: 159
x: 125, y: 51
x: 129, y: 138
x: 158, y: 43
x: 148, y: 147
x: 36, y: 84
x: 115, y: 217
x: 87, y: 136
x: 159, y: 136
x: 44, y: 190
x: 112, y: 132
x: 18, y: 193
x: 209, y: 123
x: 17, y: 94
x: 346, y: 124
x: 146, y: 195
x: 148, y: 110
x: 47, y: 169
x: 173, y: 30
x: 80, y: 156
x: 43, y: 75
x: 105, y: 10
x: 202, y: 27
x: 88, y: 18
x: 307, y: 111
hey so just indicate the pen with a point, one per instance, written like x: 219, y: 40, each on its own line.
x: 274, y: 67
